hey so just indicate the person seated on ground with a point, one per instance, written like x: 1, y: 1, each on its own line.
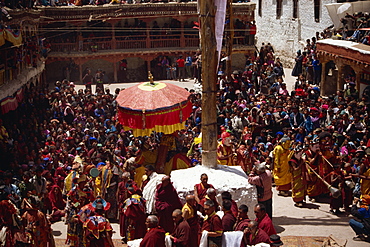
x: 362, y: 227
x: 254, y: 235
x: 228, y: 220
x: 155, y: 235
x: 264, y: 221
x: 242, y: 219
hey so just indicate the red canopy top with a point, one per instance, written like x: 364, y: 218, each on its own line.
x: 152, y: 97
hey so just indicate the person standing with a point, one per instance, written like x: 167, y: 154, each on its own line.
x: 189, y: 213
x: 188, y: 62
x: 297, y: 70
x: 166, y: 201
x: 109, y: 186
x: 181, y: 66
x: 149, y: 186
x: 98, y: 230
x: 228, y: 220
x: 316, y: 64
x: 225, y: 152
x: 132, y: 216
x: 181, y: 235
x: 298, y: 169
x: 99, y: 81
x: 155, y: 235
x: 282, y: 173
x: 262, y: 178
x: 37, y: 225
x: 212, y: 224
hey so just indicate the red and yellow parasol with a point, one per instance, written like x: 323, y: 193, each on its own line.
x: 153, y: 106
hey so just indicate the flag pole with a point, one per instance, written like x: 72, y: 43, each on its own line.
x: 209, y: 57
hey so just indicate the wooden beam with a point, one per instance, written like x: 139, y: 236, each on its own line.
x: 209, y: 60
x: 230, y: 37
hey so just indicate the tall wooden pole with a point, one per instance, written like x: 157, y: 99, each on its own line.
x: 230, y: 37
x: 207, y: 12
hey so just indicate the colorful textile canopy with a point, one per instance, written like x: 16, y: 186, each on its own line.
x: 156, y: 106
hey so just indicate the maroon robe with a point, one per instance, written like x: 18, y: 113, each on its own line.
x: 166, y: 200
x: 201, y: 203
x: 241, y: 225
x: 202, y: 190
x: 154, y: 238
x: 266, y: 224
x: 132, y: 213
x: 136, y: 213
x: 228, y: 221
x: 213, y: 223
x: 260, y: 237
x: 234, y: 208
x: 181, y: 234
x: 194, y: 229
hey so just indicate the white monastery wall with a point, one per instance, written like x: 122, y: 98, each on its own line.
x: 287, y: 34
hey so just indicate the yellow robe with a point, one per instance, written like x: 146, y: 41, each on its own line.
x: 223, y: 150
x: 365, y: 184
x: 282, y: 177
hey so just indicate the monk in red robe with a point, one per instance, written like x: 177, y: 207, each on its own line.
x: 200, y: 190
x: 166, y: 200
x: 228, y: 220
x: 212, y: 224
x: 133, y: 216
x: 57, y: 203
x: 189, y: 211
x: 264, y: 221
x: 211, y: 195
x: 226, y: 195
x: 254, y: 235
x: 155, y: 235
x: 242, y: 220
x: 180, y: 236
x: 123, y: 194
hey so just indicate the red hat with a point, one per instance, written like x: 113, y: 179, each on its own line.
x: 225, y: 135
x: 313, y: 109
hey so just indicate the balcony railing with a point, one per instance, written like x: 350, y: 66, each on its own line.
x: 136, y: 42
x: 127, y: 43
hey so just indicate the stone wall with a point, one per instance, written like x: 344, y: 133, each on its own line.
x: 286, y: 34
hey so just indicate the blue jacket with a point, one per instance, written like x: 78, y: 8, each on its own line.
x: 299, y: 120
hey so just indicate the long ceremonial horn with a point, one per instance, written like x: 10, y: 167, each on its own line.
x: 334, y: 191
x: 327, y: 161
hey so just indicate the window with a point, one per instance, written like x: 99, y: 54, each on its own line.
x: 295, y: 9
x: 279, y: 6
x: 317, y: 10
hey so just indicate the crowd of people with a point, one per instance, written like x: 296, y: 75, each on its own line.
x: 66, y: 157
x: 354, y: 28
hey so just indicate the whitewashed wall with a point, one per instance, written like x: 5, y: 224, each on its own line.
x: 286, y: 33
